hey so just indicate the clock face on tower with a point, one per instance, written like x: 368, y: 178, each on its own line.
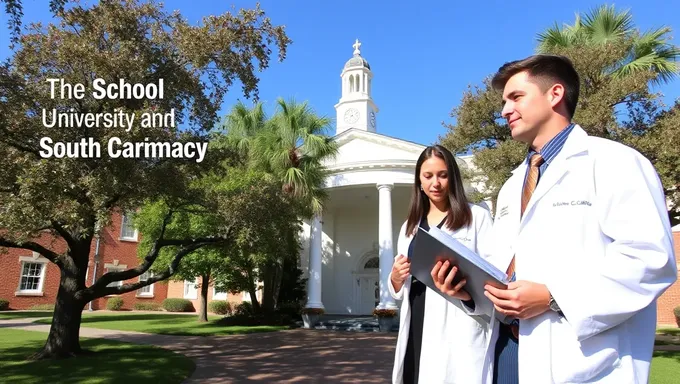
x: 351, y: 116
x: 372, y: 119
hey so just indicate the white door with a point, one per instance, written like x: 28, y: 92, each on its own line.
x: 370, y: 294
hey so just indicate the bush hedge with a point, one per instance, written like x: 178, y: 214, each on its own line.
x: 220, y: 307
x: 148, y: 307
x: 114, y: 304
x: 178, y: 305
x: 4, y: 305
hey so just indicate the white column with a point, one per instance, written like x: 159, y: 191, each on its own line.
x: 314, y: 281
x: 385, y: 241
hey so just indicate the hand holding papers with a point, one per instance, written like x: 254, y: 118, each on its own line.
x: 434, y: 246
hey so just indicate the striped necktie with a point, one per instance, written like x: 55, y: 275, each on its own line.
x: 529, y: 187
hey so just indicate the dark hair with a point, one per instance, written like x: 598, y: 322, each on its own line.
x: 545, y: 70
x: 459, y: 214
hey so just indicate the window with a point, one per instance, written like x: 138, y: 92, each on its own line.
x: 115, y: 268
x: 191, y: 289
x: 127, y: 228
x: 147, y: 290
x: 219, y: 295
x: 32, y: 277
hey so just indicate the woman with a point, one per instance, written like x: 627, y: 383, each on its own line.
x: 439, y: 342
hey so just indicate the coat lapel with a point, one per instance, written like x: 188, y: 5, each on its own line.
x: 559, y: 167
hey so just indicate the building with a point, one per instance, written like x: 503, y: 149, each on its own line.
x: 31, y: 280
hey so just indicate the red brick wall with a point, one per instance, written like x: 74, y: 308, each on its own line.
x: 671, y: 298
x: 112, y: 250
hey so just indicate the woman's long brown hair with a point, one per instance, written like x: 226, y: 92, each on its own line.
x: 459, y: 214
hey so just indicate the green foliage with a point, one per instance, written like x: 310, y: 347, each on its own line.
x: 148, y: 307
x: 43, y: 307
x: 604, y: 25
x: 4, y: 305
x: 114, y: 304
x: 293, y: 285
x: 178, y: 305
x: 220, y: 307
x: 676, y: 311
x: 244, y: 309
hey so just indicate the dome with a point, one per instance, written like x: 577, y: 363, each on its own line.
x: 357, y: 61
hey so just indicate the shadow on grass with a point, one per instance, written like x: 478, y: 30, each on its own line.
x: 672, y: 355
x: 107, y: 361
x: 8, y: 315
x: 668, y: 331
x: 169, y: 324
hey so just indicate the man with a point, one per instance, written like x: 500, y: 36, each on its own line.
x: 582, y: 227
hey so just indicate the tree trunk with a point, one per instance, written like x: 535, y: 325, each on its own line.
x: 203, y: 300
x: 272, y: 286
x: 253, y: 294
x: 64, y: 338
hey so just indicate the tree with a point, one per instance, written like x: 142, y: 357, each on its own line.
x: 64, y: 199
x: 194, y: 220
x: 650, y: 51
x: 291, y: 146
x: 620, y: 108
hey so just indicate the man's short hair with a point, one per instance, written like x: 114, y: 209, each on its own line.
x: 544, y: 70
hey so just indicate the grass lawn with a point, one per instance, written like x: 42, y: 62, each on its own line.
x: 112, y: 362
x: 665, y: 367
x: 8, y: 315
x: 166, y: 324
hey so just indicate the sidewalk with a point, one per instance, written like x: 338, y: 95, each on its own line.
x: 293, y: 356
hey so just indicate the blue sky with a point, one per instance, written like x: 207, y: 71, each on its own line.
x: 423, y: 55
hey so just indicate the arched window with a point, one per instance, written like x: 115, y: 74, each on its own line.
x: 372, y: 263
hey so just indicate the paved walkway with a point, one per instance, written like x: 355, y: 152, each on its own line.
x: 293, y: 356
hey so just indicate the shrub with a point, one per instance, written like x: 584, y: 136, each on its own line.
x: 148, y: 307
x: 43, y: 307
x: 4, y: 305
x: 312, y: 311
x: 384, y: 312
x: 114, y: 304
x: 291, y: 309
x: 220, y: 307
x: 676, y: 311
x: 244, y: 309
x: 178, y: 305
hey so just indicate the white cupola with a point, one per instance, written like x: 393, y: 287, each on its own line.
x: 356, y: 108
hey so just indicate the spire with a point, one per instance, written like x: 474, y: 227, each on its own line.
x: 356, y: 46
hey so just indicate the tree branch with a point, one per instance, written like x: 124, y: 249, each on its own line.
x: 100, y: 289
x: 63, y: 233
x: 32, y: 246
x: 96, y: 291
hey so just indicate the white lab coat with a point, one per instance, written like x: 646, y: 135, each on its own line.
x: 455, y: 345
x: 596, y: 233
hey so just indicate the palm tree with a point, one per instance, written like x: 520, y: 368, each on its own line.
x: 295, y: 147
x: 649, y: 51
x: 292, y: 146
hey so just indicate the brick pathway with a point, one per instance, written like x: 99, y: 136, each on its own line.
x: 293, y: 356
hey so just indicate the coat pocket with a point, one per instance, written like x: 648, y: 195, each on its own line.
x: 580, y: 362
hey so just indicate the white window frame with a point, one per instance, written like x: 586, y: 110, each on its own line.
x: 36, y: 258
x: 122, y: 228
x: 143, y: 277
x: 186, y: 284
x: 219, y: 295
x: 115, y: 267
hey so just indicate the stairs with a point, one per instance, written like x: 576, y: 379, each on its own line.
x: 351, y: 323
